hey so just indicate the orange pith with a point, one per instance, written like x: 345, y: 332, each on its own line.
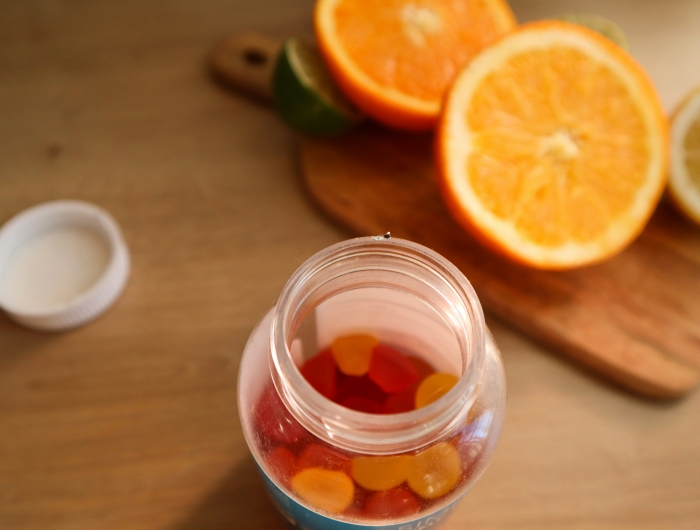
x: 552, y: 147
x: 396, y: 58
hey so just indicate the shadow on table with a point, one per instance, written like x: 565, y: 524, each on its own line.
x: 240, y: 502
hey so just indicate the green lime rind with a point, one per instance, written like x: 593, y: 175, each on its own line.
x: 602, y: 25
x: 306, y: 96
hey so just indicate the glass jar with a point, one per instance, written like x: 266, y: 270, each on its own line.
x: 405, y: 470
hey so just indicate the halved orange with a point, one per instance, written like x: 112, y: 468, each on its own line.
x: 396, y: 58
x: 552, y: 147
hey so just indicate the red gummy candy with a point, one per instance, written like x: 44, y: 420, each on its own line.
x: 424, y: 369
x: 397, y: 502
x: 315, y: 455
x: 283, y: 464
x: 391, y: 370
x: 362, y: 404
x: 272, y: 419
x: 362, y: 386
x: 322, y: 374
x: 404, y: 401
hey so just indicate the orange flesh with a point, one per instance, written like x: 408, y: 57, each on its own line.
x: 559, y: 148
x: 416, y: 49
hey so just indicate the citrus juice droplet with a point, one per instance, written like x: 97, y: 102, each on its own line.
x: 435, y: 471
x: 391, y: 370
x: 321, y: 373
x: 352, y: 353
x: 433, y: 388
x: 331, y: 491
x: 283, y: 464
x: 379, y: 473
x: 397, y: 502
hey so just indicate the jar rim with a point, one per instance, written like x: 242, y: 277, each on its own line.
x: 373, y: 433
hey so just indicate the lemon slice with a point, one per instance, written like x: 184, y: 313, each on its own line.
x: 306, y: 96
x: 684, y: 176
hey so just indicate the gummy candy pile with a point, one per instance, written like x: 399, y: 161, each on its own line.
x: 360, y: 373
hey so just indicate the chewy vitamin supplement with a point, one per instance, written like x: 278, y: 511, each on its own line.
x: 327, y: 490
x: 322, y: 374
x: 335, y: 429
x: 379, y: 473
x: 397, y: 502
x: 391, y: 370
x: 434, y: 472
x: 352, y: 353
x: 433, y: 388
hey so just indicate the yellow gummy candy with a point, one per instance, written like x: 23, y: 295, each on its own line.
x: 380, y: 473
x: 331, y: 491
x: 435, y: 471
x: 352, y: 353
x: 433, y: 388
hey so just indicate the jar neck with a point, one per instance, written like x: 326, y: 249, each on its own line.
x: 378, y: 262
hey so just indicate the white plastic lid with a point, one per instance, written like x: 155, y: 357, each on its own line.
x: 62, y: 264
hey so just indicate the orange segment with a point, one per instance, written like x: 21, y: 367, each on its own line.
x: 331, y: 491
x: 552, y: 146
x: 380, y: 473
x: 435, y: 471
x: 352, y: 353
x: 433, y: 388
x: 396, y: 58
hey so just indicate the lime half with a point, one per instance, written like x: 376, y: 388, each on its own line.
x: 602, y: 25
x: 305, y: 94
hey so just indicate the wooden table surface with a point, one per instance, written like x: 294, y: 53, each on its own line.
x: 131, y: 422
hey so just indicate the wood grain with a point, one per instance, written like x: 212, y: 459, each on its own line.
x: 130, y: 423
x: 634, y: 319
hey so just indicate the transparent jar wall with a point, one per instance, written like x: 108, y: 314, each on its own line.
x: 398, y: 318
x: 395, y: 317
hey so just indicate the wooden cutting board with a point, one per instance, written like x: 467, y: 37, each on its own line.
x: 635, y: 319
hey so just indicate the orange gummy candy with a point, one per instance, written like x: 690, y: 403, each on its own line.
x: 433, y: 388
x: 331, y: 491
x: 379, y: 473
x: 435, y: 471
x: 352, y: 353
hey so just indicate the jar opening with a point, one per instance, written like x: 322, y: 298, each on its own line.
x: 405, y: 294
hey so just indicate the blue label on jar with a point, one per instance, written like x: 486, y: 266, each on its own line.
x: 306, y: 519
